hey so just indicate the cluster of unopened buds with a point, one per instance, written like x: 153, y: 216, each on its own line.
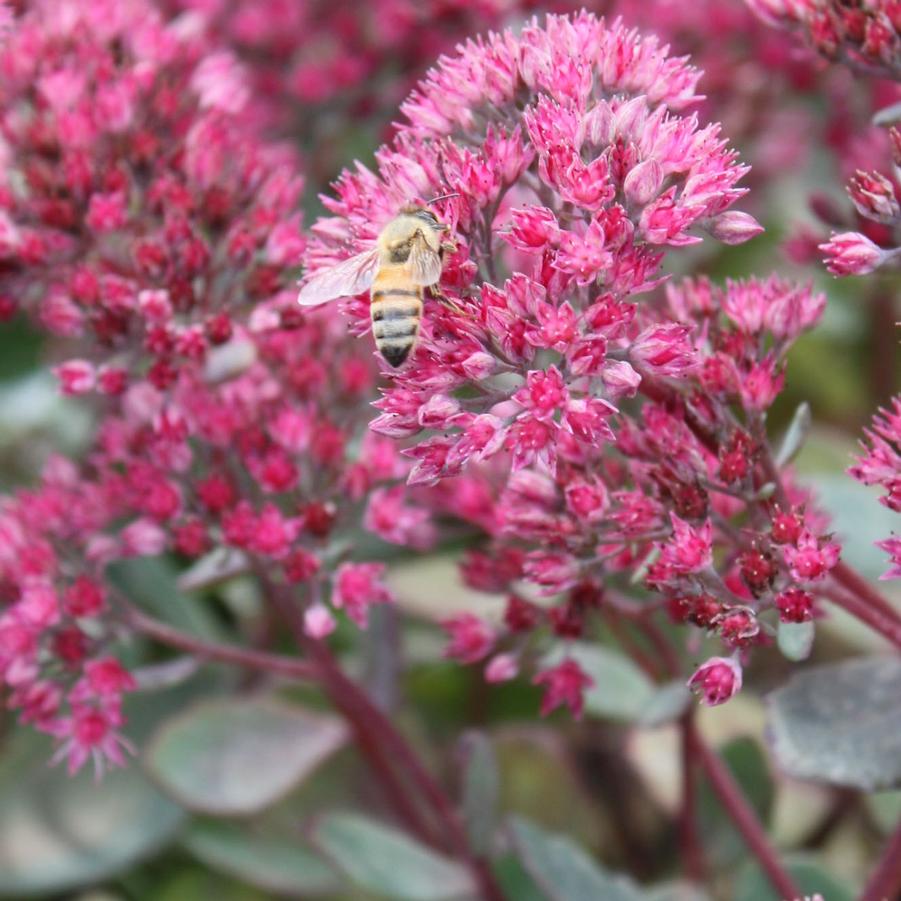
x: 596, y: 431
x: 863, y: 35
x: 874, y: 196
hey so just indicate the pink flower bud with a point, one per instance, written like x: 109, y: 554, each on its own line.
x: 665, y: 349
x: 643, y: 181
x: 564, y: 684
x: 471, y: 638
x: 874, y: 197
x: 851, y: 253
x: 501, y: 668
x: 318, y: 621
x: 142, y: 538
x: 620, y: 379
x: 734, y: 227
x: 717, y: 680
x: 533, y: 228
x: 75, y: 376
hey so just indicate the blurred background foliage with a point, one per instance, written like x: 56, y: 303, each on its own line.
x: 610, y: 784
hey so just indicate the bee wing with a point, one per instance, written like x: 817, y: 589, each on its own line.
x: 424, y: 263
x: 346, y: 279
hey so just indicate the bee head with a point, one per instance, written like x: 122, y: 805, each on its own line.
x: 425, y: 215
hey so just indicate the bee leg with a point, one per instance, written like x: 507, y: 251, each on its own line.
x: 442, y: 298
x: 448, y: 247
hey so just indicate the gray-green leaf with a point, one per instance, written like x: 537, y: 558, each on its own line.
x: 237, y: 756
x: 563, y: 870
x: 841, y: 723
x: 481, y: 786
x: 276, y: 866
x: 58, y: 832
x: 389, y: 863
x: 795, y: 640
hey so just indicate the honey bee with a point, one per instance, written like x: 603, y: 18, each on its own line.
x: 408, y: 257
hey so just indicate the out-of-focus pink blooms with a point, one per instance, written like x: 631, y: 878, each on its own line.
x: 851, y: 253
x: 564, y: 685
x: 470, y: 638
x: 75, y: 376
x: 864, y: 35
x: 717, y: 680
x: 873, y: 195
x: 892, y: 546
x: 392, y: 518
x: 357, y: 586
x: 318, y: 621
x: 501, y: 668
x: 812, y: 558
x: 91, y: 733
x: 880, y: 462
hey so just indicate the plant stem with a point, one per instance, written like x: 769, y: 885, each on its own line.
x: 289, y: 667
x: 689, y: 839
x: 852, y: 604
x: 857, y: 585
x: 742, y: 814
x: 385, y: 746
x: 885, y: 881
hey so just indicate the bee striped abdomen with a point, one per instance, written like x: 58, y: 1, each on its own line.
x: 396, y: 309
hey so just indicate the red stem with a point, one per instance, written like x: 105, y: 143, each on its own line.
x: 742, y: 815
x: 889, y: 630
x: 689, y: 837
x: 857, y: 585
x: 885, y: 882
x: 290, y: 667
x: 381, y: 734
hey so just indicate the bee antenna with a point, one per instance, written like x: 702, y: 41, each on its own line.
x: 442, y: 197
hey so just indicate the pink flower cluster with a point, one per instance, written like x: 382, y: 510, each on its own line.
x: 875, y: 200
x: 862, y: 35
x: 145, y: 225
x: 880, y: 464
x: 590, y: 427
x: 360, y: 59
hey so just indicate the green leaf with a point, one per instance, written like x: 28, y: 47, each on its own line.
x: 237, y: 756
x: 389, y: 863
x: 152, y: 583
x: 795, y: 435
x: 886, y: 809
x: 563, y: 870
x: 795, y: 640
x: 675, y: 891
x: 275, y: 865
x: 621, y: 691
x: 515, y: 882
x: 481, y: 786
x: 841, y: 723
x: 811, y: 878
x: 667, y: 703
x: 58, y: 832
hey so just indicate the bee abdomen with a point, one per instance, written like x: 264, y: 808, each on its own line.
x: 396, y: 313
